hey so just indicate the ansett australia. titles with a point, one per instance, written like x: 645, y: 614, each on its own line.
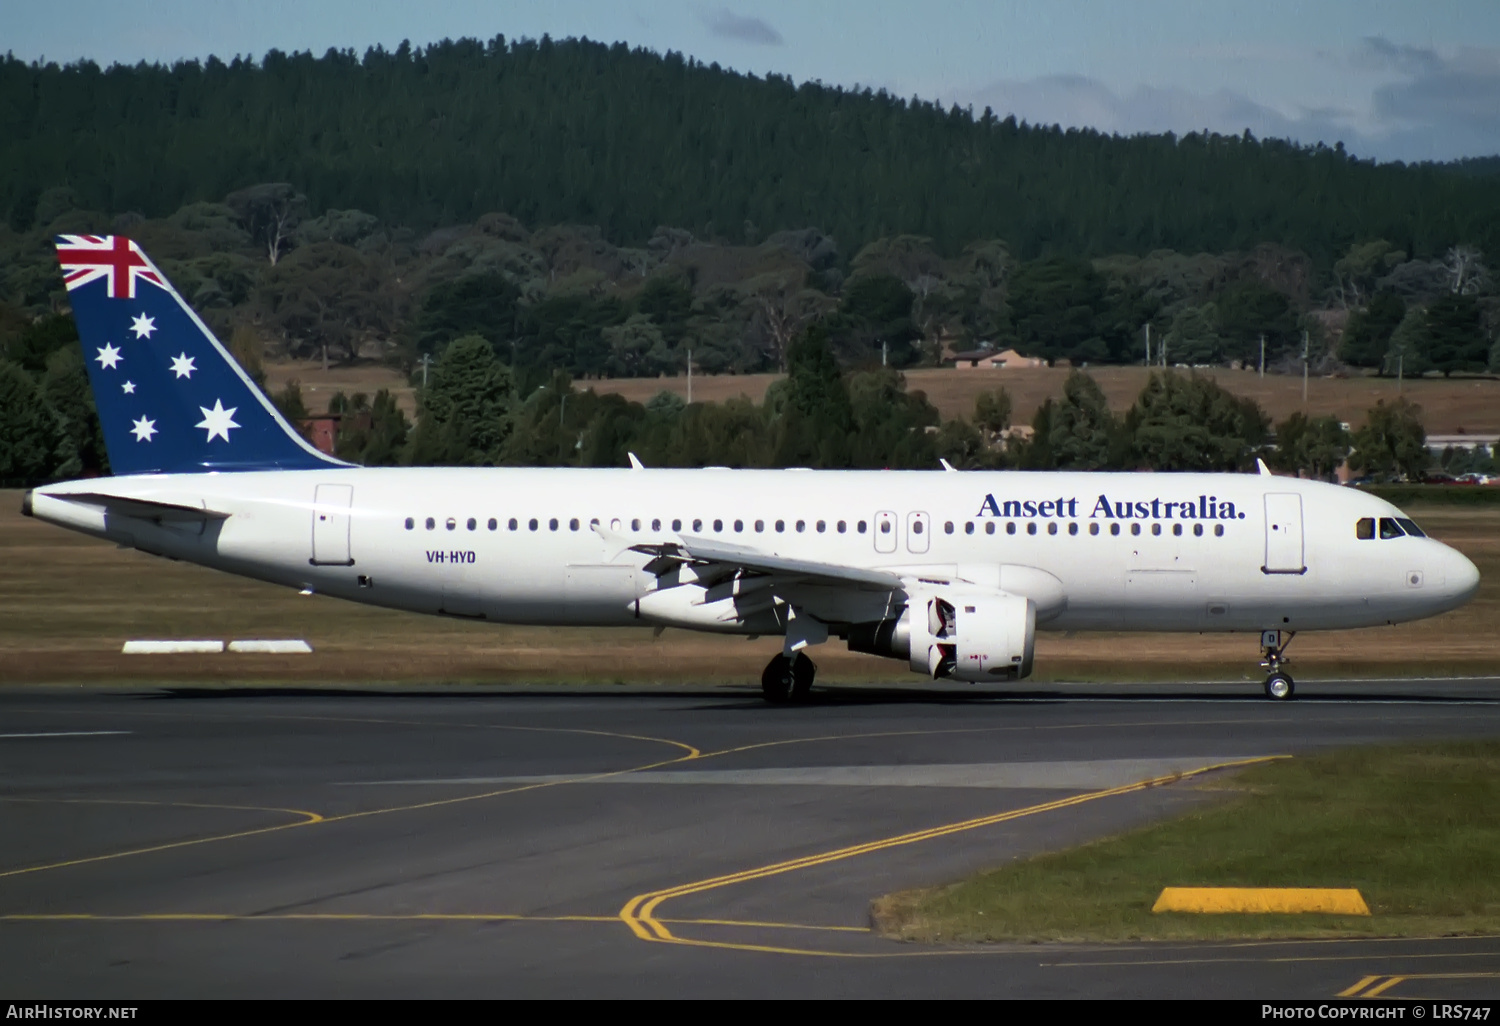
x: 1205, y: 507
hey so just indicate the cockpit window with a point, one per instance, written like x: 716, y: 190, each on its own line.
x: 1411, y: 528
x: 1389, y: 528
x: 1364, y: 529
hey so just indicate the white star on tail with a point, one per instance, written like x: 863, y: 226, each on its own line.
x: 128, y: 388
x: 143, y: 326
x: 143, y: 430
x: 109, y: 356
x: 218, y: 420
x: 183, y: 366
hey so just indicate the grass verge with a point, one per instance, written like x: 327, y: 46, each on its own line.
x: 1413, y: 827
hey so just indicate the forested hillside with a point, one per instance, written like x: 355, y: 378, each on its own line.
x: 578, y: 132
x: 503, y: 220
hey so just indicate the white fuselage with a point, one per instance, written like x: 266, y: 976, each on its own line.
x: 1157, y: 552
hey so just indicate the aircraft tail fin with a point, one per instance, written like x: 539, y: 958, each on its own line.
x: 171, y: 398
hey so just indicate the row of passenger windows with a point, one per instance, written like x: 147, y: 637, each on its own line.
x: 1390, y: 527
x: 821, y: 526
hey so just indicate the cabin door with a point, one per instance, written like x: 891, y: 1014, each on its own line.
x: 330, y: 535
x: 1284, y: 534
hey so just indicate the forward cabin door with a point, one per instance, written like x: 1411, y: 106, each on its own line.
x: 1284, y: 534
x: 330, y: 536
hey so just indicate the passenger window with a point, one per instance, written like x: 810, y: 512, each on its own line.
x: 739, y: 525
x: 860, y: 527
x: 1177, y: 530
x: 655, y: 524
x: 493, y: 524
x: 1197, y: 530
x: 1411, y: 528
x: 760, y: 525
x: 843, y: 527
x: 1389, y: 528
x: 1093, y: 529
x: 635, y: 524
x: 1052, y: 527
x: 472, y: 524
x: 781, y: 526
x: 1135, y: 528
x: 1218, y: 530
x: 916, y: 527
x: 552, y: 523
x: 452, y: 523
x: 885, y: 526
x: 676, y: 525
x: 802, y: 526
x: 512, y: 525
x: 1031, y: 527
x: 718, y: 525
x: 697, y: 526
x: 989, y: 528
x: 969, y: 527
x: 1156, y: 529
x: 1073, y: 528
x: 1114, y: 530
x: 594, y: 522
x: 822, y: 526
x: 573, y: 524
x: 532, y: 523
x: 431, y: 523
x: 948, y: 527
x: 410, y: 523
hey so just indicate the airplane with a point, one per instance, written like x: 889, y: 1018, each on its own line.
x: 951, y: 572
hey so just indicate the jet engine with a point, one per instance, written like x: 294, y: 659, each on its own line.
x: 973, y: 637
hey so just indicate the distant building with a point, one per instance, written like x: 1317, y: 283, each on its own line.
x: 322, y: 431
x: 993, y: 359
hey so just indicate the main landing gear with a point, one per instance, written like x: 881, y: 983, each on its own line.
x: 788, y: 678
x: 1279, y: 684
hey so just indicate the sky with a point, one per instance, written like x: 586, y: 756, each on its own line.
x: 1414, y: 80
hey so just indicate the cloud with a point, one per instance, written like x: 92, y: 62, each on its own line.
x: 729, y: 25
x: 1423, y: 105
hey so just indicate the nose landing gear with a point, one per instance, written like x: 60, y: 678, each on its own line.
x: 1279, y: 684
x: 788, y: 678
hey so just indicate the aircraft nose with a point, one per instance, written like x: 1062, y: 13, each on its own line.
x: 1461, y: 576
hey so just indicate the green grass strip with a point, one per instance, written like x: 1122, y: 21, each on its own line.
x: 1416, y: 828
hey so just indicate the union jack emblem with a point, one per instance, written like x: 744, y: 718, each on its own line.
x: 85, y: 258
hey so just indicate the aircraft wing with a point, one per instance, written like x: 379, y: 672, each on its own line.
x: 715, y: 560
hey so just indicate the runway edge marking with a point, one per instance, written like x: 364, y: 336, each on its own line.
x: 638, y: 914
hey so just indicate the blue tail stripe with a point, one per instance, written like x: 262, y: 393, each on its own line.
x: 171, y: 399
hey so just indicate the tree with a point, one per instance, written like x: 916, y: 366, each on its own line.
x: 475, y: 304
x: 1392, y: 443
x: 329, y: 298
x: 1355, y: 273
x: 816, y: 415
x: 1191, y: 423
x: 992, y: 409
x: 270, y: 213
x: 1407, y: 355
x: 65, y: 388
x: 1316, y: 446
x: 1454, y: 335
x: 33, y: 445
x: 1249, y: 309
x: 876, y: 316
x: 465, y: 408
x: 1082, y: 428
x: 1194, y: 336
x: 1056, y: 304
x: 1466, y: 272
x: 1367, y: 337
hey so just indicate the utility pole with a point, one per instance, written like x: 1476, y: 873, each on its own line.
x: 1148, y: 343
x: 1263, y: 356
x: 1400, y: 366
x: 882, y: 352
x: 1304, y: 368
x: 426, y: 362
x: 690, y: 377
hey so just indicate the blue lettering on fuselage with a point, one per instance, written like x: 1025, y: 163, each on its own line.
x: 1202, y: 507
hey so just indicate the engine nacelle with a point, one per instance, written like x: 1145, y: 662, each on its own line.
x: 973, y: 637
x: 983, y: 636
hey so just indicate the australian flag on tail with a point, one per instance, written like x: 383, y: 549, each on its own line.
x: 171, y: 399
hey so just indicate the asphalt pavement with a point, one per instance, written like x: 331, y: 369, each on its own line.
x: 623, y: 842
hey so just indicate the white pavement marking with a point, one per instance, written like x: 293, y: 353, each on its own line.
x: 1067, y: 776
x: 170, y: 647
x: 273, y: 646
x: 69, y: 733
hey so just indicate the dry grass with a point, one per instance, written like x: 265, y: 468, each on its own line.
x: 1467, y: 404
x: 67, y: 603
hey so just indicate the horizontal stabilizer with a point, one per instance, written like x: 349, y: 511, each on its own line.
x: 143, y: 509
